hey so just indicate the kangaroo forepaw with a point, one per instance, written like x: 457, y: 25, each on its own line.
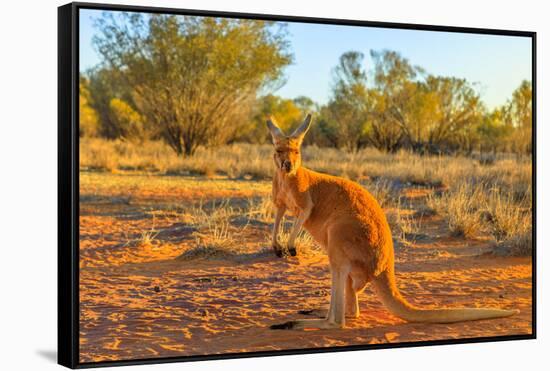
x: 292, y: 250
x: 278, y: 249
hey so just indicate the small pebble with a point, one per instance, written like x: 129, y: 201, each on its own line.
x: 156, y: 289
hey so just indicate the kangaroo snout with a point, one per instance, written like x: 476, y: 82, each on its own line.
x: 286, y: 166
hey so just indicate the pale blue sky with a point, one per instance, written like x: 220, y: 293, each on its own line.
x: 497, y: 64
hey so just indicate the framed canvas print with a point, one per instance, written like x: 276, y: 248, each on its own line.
x: 239, y: 185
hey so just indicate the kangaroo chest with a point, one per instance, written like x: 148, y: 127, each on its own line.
x: 286, y: 195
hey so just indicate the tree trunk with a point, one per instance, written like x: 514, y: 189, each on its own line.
x: 190, y: 148
x: 177, y: 146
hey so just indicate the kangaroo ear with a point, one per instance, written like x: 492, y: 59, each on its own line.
x: 276, y: 132
x: 301, y: 131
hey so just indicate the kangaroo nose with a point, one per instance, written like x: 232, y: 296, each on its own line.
x: 286, y: 165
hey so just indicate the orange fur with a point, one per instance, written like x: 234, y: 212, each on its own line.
x: 350, y: 224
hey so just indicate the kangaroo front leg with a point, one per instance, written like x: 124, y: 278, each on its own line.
x: 274, y: 238
x: 300, y: 220
x: 336, y: 314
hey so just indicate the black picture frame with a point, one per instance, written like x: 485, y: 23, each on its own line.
x: 68, y: 181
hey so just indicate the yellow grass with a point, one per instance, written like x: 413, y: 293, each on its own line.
x: 237, y: 161
x: 474, y: 209
x: 404, y: 225
x: 510, y: 222
x: 462, y: 207
x: 474, y: 196
x: 261, y: 208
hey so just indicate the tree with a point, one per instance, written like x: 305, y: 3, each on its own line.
x: 398, y: 110
x: 194, y: 79
x: 459, y: 109
x: 325, y: 131
x: 520, y: 115
x: 88, y: 120
x: 130, y: 123
x: 423, y: 112
x: 382, y: 130
x: 348, y: 107
x: 495, y: 134
x: 104, y: 86
x: 287, y: 114
x: 305, y: 104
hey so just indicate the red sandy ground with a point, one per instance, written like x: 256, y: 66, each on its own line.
x: 138, y: 301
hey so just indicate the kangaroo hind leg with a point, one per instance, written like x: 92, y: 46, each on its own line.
x: 336, y: 313
x: 353, y: 288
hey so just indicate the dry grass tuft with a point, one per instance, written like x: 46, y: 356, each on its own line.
x: 147, y: 238
x: 472, y: 209
x: 260, y: 208
x: 217, y: 239
x: 404, y: 224
x: 383, y: 191
x: 305, y: 245
x: 461, y: 208
x: 205, y: 213
x: 510, y: 223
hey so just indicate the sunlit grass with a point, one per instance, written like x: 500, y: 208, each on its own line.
x: 261, y: 208
x: 472, y: 210
x: 403, y: 224
x: 509, y: 221
x: 304, y: 243
x: 248, y: 161
x: 475, y: 197
x: 461, y: 207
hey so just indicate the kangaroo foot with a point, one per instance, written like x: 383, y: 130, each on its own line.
x: 292, y: 250
x: 278, y: 249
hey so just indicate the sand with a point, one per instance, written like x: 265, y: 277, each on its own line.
x: 138, y: 300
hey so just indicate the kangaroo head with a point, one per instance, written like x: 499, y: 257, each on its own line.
x: 287, y: 156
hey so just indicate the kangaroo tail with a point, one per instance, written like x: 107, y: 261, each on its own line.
x: 389, y: 294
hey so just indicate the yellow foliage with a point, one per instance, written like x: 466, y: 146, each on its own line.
x: 89, y: 121
x: 130, y: 122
